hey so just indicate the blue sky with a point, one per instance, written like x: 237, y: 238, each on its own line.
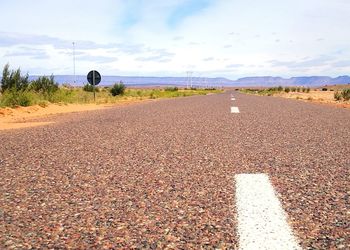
x: 228, y: 38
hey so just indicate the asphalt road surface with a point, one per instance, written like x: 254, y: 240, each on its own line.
x: 162, y: 174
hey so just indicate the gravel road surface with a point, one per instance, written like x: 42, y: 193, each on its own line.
x: 161, y: 174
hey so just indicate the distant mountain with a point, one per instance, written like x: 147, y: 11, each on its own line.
x: 144, y: 80
x: 260, y: 81
x: 306, y: 81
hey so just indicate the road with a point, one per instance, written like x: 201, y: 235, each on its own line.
x: 162, y: 174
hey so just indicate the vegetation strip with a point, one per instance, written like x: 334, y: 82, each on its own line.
x: 16, y: 90
x: 335, y: 94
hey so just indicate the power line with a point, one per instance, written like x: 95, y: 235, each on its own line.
x: 74, y: 62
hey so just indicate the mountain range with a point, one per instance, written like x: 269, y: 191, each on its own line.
x: 259, y: 81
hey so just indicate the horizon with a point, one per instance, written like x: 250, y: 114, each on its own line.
x: 169, y: 38
x: 197, y: 77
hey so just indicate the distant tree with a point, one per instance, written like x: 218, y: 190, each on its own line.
x: 118, y: 89
x: 13, y: 80
x: 171, y: 89
x: 287, y: 89
x: 44, y: 84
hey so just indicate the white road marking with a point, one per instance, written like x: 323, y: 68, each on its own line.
x: 233, y: 99
x: 262, y: 223
x: 234, y: 110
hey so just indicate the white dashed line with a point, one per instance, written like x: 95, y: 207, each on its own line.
x: 233, y: 99
x: 234, y: 110
x: 262, y: 222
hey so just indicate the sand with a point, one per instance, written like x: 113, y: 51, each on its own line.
x: 22, y: 117
x: 322, y: 97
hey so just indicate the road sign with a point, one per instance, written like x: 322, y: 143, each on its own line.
x: 94, y: 78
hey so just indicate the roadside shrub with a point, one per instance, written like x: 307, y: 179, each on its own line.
x: 279, y: 88
x: 337, y: 96
x: 12, y: 98
x: 287, y: 89
x: 43, y: 104
x: 303, y: 90
x: 67, y: 86
x: 63, y: 95
x: 346, y: 94
x: 171, y: 89
x: 152, y: 96
x: 293, y: 89
x: 298, y: 89
x: 307, y: 90
x: 118, y: 89
x: 13, y: 80
x: 45, y: 85
x: 88, y: 88
x: 324, y: 89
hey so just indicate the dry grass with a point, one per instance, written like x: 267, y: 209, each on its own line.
x: 325, y: 97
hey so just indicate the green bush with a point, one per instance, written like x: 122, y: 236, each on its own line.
x: 279, y: 88
x: 171, y: 89
x: 346, y: 94
x: 13, y: 80
x: 307, y: 90
x: 293, y: 89
x: 118, y: 89
x: 324, y: 89
x: 45, y: 85
x: 337, y: 96
x: 287, y: 89
x: 12, y: 98
x: 88, y: 88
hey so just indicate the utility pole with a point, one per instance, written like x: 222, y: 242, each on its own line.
x: 189, y: 78
x: 74, y: 62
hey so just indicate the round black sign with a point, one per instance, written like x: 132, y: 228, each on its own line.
x: 93, y: 74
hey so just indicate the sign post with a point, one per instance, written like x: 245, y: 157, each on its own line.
x: 94, y: 78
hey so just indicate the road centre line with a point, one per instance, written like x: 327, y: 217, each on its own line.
x: 262, y: 222
x: 234, y: 110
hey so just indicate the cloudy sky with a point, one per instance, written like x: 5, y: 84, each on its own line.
x: 229, y: 38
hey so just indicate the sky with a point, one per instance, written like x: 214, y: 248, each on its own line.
x: 211, y: 38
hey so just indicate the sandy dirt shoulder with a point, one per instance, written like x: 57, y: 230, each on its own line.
x: 322, y: 97
x: 21, y: 117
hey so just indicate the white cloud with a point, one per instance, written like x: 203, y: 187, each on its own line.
x: 245, y: 37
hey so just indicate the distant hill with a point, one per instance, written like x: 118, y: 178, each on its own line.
x: 260, y: 81
x: 307, y: 81
x: 144, y: 80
